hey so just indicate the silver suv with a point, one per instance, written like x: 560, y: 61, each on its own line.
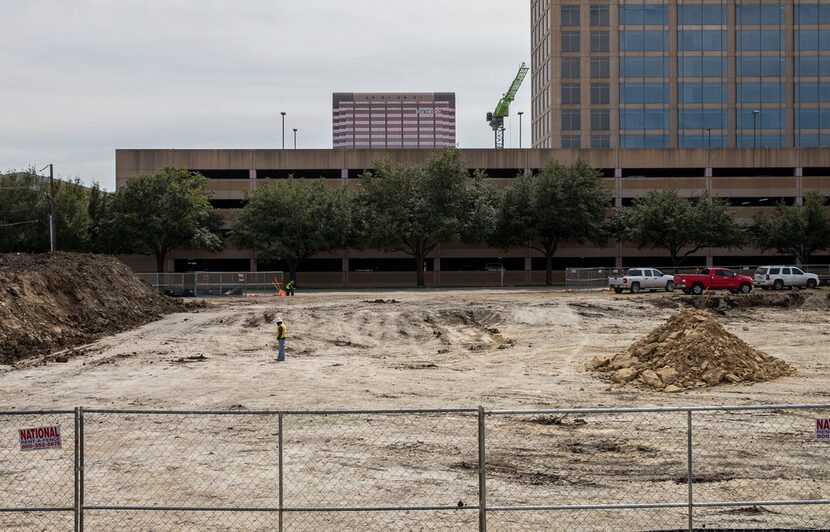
x: 779, y: 277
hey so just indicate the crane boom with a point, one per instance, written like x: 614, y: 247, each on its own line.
x: 496, y: 118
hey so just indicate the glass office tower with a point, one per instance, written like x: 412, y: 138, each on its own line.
x: 679, y: 73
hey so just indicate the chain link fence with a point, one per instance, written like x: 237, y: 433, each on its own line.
x: 215, y: 283
x: 588, y: 278
x: 443, y: 469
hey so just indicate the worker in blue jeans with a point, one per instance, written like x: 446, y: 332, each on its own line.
x: 282, y: 333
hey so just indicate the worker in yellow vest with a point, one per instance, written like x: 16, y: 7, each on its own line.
x: 282, y: 334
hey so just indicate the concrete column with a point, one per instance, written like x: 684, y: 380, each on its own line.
x: 252, y: 179
x: 709, y: 260
x: 344, y: 268
x: 528, y: 268
x: 344, y: 173
x: 799, y: 184
x: 617, y: 187
x: 252, y: 266
x: 436, y: 270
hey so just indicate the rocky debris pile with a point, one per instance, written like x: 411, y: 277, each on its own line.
x: 690, y: 350
x: 55, y: 301
x: 722, y: 302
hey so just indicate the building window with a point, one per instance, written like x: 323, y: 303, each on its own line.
x: 812, y: 40
x: 643, y: 141
x: 760, y: 92
x: 643, y: 119
x: 701, y: 40
x: 570, y: 67
x: 760, y: 66
x: 811, y: 92
x: 643, y: 15
x: 599, y: 16
x: 570, y: 93
x: 569, y: 15
x: 571, y: 142
x: 702, y: 66
x: 644, y: 92
x: 701, y: 14
x: 701, y: 119
x: 643, y: 67
x: 759, y: 14
x: 600, y: 119
x: 599, y: 41
x: 812, y: 14
x: 570, y: 120
x: 702, y: 92
x: 643, y: 40
x: 811, y: 119
x: 600, y: 93
x: 600, y: 67
x: 600, y: 141
x: 765, y: 119
x: 812, y: 66
x: 569, y: 41
x: 760, y: 40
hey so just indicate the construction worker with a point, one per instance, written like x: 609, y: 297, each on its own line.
x: 282, y: 333
x: 289, y: 287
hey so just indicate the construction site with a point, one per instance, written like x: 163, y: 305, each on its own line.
x: 84, y: 332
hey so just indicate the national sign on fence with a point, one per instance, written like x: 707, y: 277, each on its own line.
x: 40, y: 438
x: 823, y: 430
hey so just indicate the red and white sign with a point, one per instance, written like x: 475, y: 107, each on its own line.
x: 823, y: 430
x: 40, y: 438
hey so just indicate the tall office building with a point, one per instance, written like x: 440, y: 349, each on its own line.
x: 389, y: 120
x: 680, y: 73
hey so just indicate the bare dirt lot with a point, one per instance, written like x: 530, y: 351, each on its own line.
x: 500, y: 349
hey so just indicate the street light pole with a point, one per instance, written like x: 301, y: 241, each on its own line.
x: 283, y: 129
x: 520, y: 128
x: 754, y: 128
x: 709, y: 137
x: 295, y: 138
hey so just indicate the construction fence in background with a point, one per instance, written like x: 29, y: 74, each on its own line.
x: 672, y: 468
x: 215, y: 283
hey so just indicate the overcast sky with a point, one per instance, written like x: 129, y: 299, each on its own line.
x: 81, y: 78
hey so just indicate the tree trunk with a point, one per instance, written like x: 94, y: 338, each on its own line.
x: 419, y: 266
x: 292, y: 269
x: 160, y: 260
x: 549, y: 267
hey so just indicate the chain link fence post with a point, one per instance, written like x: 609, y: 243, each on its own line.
x: 279, y: 468
x: 482, y: 474
x: 77, y: 471
x: 79, y: 468
x: 689, y: 470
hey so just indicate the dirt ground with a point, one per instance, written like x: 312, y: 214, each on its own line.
x: 518, y: 349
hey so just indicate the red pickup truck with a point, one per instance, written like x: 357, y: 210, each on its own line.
x: 714, y: 279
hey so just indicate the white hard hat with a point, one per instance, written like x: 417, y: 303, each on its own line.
x: 279, y: 319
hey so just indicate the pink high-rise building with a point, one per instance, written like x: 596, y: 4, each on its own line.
x: 389, y: 120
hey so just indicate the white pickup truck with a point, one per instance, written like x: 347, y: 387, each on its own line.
x: 637, y: 279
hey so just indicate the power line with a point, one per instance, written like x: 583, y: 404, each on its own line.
x: 21, y: 223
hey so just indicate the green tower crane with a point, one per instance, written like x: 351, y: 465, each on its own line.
x: 496, y: 118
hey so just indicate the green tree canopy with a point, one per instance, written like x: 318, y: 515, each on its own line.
x: 24, y: 213
x: 799, y: 231
x: 562, y: 203
x: 413, y: 208
x: 682, y: 226
x: 294, y: 220
x: 154, y: 213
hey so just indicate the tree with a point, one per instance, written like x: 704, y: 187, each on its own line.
x: 799, y: 231
x: 682, y: 226
x: 562, y: 203
x: 294, y: 220
x: 154, y: 213
x: 98, y: 210
x: 24, y: 213
x: 412, y: 209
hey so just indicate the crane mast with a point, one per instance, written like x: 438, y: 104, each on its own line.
x: 496, y: 118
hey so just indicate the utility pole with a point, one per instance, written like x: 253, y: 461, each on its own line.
x: 295, y: 138
x: 520, y: 113
x: 51, y: 197
x: 283, y: 129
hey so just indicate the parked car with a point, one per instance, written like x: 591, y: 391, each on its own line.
x: 637, y: 279
x: 493, y: 267
x: 713, y: 279
x: 779, y: 277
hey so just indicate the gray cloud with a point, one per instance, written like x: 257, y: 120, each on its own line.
x: 83, y: 78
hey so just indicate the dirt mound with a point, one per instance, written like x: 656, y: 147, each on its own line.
x: 690, y: 350
x: 56, y: 301
x: 796, y: 299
